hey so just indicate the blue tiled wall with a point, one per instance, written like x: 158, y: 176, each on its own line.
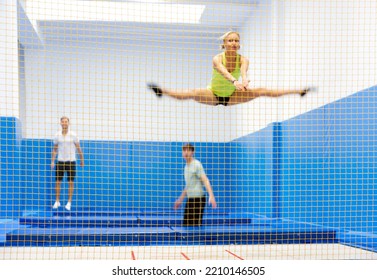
x: 252, y: 171
x: 329, y: 164
x: 11, y: 173
x: 140, y: 175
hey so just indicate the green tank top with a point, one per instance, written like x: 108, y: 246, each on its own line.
x: 221, y: 86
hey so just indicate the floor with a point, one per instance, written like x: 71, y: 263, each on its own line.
x: 215, y: 252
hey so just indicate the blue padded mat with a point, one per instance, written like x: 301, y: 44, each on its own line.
x: 167, y: 236
x: 177, y: 220
x: 82, y: 222
x: 93, y: 236
x: 81, y: 228
x: 249, y: 234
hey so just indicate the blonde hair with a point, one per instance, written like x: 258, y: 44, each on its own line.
x: 223, y: 37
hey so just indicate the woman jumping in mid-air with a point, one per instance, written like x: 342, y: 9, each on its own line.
x: 225, y: 88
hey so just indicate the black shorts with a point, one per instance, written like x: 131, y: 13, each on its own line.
x: 194, y: 211
x: 63, y: 167
x: 222, y: 100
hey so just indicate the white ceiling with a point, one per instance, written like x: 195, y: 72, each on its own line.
x: 218, y: 17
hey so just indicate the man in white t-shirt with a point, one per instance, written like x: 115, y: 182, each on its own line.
x: 196, y: 180
x: 66, y: 144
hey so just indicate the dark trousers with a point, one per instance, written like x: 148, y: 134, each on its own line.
x: 194, y: 211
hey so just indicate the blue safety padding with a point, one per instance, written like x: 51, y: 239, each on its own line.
x: 120, y: 219
x: 248, y: 234
x: 164, y: 230
x: 93, y: 236
x: 82, y: 222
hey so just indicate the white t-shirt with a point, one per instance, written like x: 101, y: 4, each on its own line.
x: 66, y: 145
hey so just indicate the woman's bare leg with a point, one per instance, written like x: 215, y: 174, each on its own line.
x: 204, y: 96
x: 250, y: 94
